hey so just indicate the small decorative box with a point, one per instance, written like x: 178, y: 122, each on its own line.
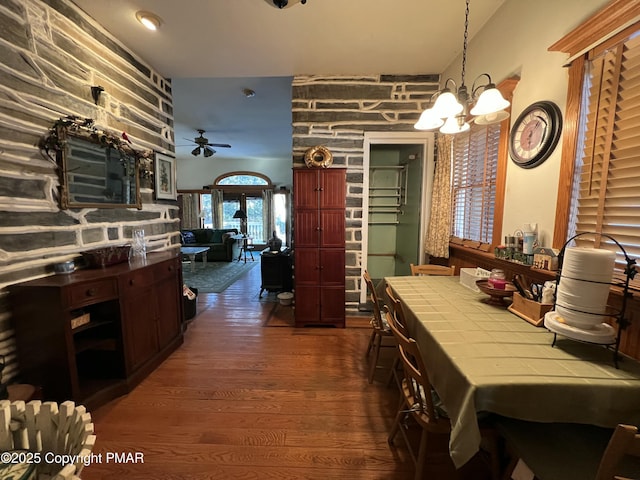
x: 545, y: 258
x: 105, y: 256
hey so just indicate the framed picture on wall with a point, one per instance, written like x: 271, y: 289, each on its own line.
x: 165, y: 177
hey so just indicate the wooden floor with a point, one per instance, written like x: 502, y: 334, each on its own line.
x: 241, y: 400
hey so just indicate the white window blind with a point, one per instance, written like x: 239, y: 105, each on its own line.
x: 607, y: 174
x: 473, y: 182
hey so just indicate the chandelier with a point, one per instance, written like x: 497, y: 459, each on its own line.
x: 451, y: 110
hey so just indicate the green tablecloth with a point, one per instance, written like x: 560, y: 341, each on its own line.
x: 482, y: 358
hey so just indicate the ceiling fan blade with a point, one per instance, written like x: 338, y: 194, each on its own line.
x: 221, y: 145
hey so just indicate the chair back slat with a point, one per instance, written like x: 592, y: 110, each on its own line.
x: 416, y: 377
x: 624, y: 442
x: 396, y: 307
x: 441, y: 270
x: 376, y: 320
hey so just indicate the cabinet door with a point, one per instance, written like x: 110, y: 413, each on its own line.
x: 306, y: 228
x: 307, y: 305
x: 305, y: 188
x: 332, y: 228
x: 307, y: 266
x: 333, y: 305
x: 332, y: 188
x: 169, y: 317
x: 139, y: 307
x: 332, y: 267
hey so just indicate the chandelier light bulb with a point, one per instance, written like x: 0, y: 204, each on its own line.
x: 428, y: 120
x: 490, y: 101
x: 447, y: 105
x: 453, y: 127
x: 490, y: 118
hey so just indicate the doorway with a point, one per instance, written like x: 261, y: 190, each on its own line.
x: 396, y: 199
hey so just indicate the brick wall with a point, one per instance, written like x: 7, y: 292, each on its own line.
x: 336, y: 111
x: 51, y: 54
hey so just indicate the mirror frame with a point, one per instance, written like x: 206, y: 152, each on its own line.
x: 55, y: 147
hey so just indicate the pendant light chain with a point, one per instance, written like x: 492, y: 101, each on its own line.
x: 464, y: 47
x: 484, y: 102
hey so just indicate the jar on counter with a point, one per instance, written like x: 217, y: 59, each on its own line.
x: 497, y: 279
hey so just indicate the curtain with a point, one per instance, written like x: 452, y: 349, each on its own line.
x: 216, y: 208
x: 437, y: 240
x: 268, y: 221
x: 190, y: 206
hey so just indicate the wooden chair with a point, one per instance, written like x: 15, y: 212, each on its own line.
x: 441, y: 270
x: 379, y: 328
x: 395, y: 308
x: 429, y: 413
x: 624, y: 442
x: 418, y: 400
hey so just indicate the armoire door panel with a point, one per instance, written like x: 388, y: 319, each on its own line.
x: 332, y: 300
x: 307, y: 304
x: 307, y: 266
x: 306, y: 228
x: 333, y: 189
x: 305, y: 188
x: 332, y: 228
x: 332, y: 267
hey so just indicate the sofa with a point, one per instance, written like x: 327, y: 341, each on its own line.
x: 222, y: 248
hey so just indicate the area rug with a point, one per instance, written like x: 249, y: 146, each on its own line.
x: 214, y: 277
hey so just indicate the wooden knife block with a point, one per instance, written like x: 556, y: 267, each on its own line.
x: 529, y: 310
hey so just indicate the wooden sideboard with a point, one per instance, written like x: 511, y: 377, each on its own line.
x: 94, y: 334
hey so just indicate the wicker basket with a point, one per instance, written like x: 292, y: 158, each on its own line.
x: 44, y: 433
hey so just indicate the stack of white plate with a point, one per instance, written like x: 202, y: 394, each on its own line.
x: 583, y: 290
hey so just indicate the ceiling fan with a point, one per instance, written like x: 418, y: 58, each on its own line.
x: 204, y: 147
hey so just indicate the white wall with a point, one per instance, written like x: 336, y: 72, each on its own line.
x: 195, y: 172
x: 515, y: 42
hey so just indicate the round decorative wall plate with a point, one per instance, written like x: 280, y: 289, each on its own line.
x: 535, y: 134
x: 318, y: 156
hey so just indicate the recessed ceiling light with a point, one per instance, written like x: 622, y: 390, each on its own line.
x: 248, y: 92
x: 149, y: 20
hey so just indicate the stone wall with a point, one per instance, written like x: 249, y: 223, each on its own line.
x: 336, y: 111
x: 51, y: 54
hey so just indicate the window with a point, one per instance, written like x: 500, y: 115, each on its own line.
x: 606, y: 197
x: 246, y: 191
x: 242, y: 179
x: 474, y: 182
x: 601, y: 158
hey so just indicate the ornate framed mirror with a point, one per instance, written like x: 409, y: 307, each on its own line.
x: 96, y: 168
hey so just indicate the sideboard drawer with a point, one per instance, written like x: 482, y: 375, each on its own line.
x: 92, y: 292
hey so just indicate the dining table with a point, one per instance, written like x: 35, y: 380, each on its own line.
x: 482, y: 359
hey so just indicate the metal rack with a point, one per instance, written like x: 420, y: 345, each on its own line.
x: 397, y: 192
x: 618, y: 314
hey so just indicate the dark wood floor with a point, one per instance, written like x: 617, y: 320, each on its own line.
x: 241, y: 400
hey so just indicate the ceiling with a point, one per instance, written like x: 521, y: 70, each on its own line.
x: 213, y: 49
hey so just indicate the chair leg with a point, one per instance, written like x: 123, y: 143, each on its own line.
x: 422, y: 455
x: 374, y: 358
x: 371, y: 339
x: 396, y: 422
x: 393, y: 374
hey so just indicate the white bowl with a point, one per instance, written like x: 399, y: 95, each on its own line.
x: 285, y: 298
x: 64, y: 267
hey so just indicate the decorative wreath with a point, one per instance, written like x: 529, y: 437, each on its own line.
x: 318, y: 156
